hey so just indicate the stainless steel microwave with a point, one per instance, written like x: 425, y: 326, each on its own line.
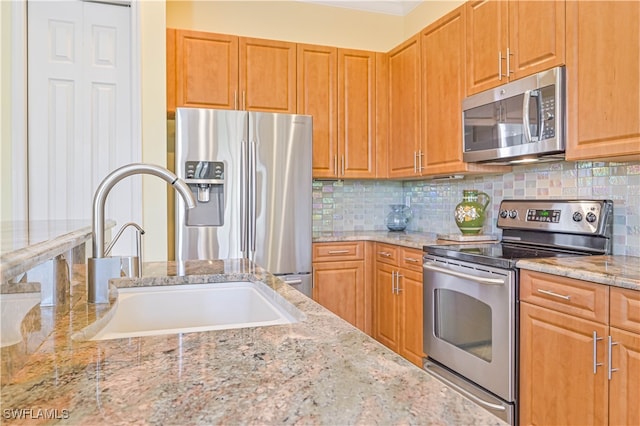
x: 518, y: 122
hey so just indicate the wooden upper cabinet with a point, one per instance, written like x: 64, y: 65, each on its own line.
x: 603, y: 71
x: 206, y: 69
x: 443, y: 89
x: 267, y: 75
x: 171, y: 70
x: 508, y: 40
x: 356, y: 113
x: 487, y: 38
x: 536, y: 36
x: 404, y: 109
x: 317, y: 96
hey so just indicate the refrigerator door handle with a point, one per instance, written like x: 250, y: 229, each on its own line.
x: 252, y: 196
x: 243, y: 200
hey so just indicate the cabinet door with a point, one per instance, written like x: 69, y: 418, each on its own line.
x: 338, y: 286
x: 171, y: 70
x: 411, y: 324
x: 557, y: 380
x: 603, y: 69
x: 317, y: 96
x: 443, y: 92
x: 404, y: 109
x: 536, y: 36
x: 356, y: 113
x: 386, y: 329
x: 487, y: 40
x: 206, y: 69
x: 624, y: 387
x: 268, y: 75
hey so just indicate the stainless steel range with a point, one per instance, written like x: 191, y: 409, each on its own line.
x: 471, y: 293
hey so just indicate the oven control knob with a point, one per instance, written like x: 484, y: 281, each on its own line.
x: 577, y: 217
x: 513, y: 214
x: 504, y: 214
x: 591, y: 217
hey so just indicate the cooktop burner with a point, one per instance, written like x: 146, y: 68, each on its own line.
x: 501, y: 255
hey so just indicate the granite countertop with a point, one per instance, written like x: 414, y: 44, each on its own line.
x: 405, y: 238
x: 321, y: 370
x: 25, y: 244
x: 613, y: 270
x: 616, y: 271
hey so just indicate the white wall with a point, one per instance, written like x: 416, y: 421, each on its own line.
x: 154, y: 127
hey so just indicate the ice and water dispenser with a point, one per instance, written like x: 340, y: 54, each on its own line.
x: 206, y: 180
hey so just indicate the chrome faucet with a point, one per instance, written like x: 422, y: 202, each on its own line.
x: 100, y: 268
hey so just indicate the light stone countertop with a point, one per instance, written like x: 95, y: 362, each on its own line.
x: 617, y: 271
x: 415, y: 240
x: 26, y: 244
x: 318, y: 371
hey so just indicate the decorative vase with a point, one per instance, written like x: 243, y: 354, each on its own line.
x: 470, y: 212
x: 398, y: 218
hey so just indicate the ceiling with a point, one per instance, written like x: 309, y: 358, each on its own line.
x: 388, y: 7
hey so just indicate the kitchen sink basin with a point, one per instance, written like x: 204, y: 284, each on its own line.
x: 148, y: 311
x: 14, y: 308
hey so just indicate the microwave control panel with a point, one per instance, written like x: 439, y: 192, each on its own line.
x: 548, y: 112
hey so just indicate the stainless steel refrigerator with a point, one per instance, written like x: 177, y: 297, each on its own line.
x: 251, y: 175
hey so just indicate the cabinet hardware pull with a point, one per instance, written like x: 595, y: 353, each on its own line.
x: 596, y: 364
x: 393, y: 282
x: 610, y: 369
x: 420, y: 155
x: 338, y: 251
x: 411, y: 259
x: 550, y: 293
x: 398, y: 276
x: 415, y: 162
x: 509, y: 53
x: 384, y: 253
x: 488, y: 281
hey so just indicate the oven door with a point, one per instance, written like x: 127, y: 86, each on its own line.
x: 470, y: 322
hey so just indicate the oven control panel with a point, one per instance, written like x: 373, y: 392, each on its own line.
x: 569, y: 216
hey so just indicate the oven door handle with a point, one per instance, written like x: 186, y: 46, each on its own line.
x: 429, y: 368
x: 488, y: 281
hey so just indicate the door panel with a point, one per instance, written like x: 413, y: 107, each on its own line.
x: 282, y: 239
x: 79, y: 106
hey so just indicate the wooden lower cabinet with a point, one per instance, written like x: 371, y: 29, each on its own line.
x: 398, y: 300
x: 338, y: 287
x: 557, y: 384
x: 579, y: 352
x: 340, y: 281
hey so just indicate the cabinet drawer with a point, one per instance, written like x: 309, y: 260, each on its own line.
x: 330, y: 252
x: 625, y: 309
x: 580, y: 298
x: 387, y: 253
x: 411, y: 259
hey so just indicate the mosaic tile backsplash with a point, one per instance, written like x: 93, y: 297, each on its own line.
x: 360, y: 205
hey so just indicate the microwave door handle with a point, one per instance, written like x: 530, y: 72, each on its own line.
x: 488, y: 281
x: 525, y: 116
x: 538, y: 95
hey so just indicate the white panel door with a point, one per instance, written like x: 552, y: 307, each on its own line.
x: 80, y: 109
